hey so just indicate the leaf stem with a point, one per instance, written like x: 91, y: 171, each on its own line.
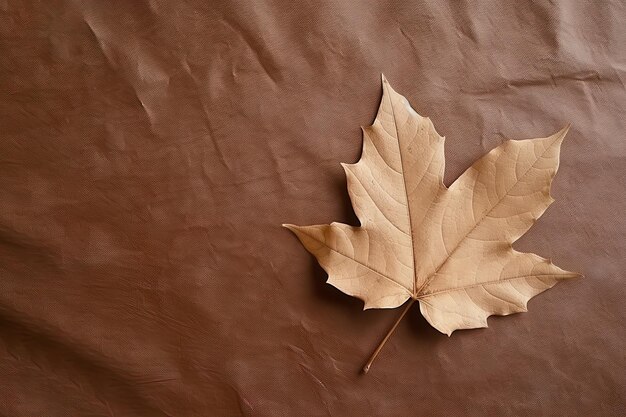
x: 367, y: 366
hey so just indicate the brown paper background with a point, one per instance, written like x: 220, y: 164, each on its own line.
x: 150, y: 150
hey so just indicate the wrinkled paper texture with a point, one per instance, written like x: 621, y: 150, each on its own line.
x: 150, y: 149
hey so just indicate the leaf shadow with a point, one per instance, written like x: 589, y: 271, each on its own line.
x: 326, y: 292
x: 340, y: 186
x: 420, y: 330
x: 331, y: 295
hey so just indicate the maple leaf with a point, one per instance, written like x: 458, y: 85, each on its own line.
x: 450, y: 249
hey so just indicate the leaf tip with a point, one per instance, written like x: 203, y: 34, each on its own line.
x: 348, y: 169
x: 562, y: 133
x: 575, y: 275
x: 291, y: 227
x: 386, y: 84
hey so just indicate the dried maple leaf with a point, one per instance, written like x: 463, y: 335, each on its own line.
x: 447, y: 248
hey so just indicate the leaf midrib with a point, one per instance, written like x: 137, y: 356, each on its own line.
x: 406, y: 194
x: 497, y: 281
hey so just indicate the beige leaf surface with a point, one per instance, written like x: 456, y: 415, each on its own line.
x: 447, y: 248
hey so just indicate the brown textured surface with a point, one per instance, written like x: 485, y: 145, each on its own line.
x: 150, y: 151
